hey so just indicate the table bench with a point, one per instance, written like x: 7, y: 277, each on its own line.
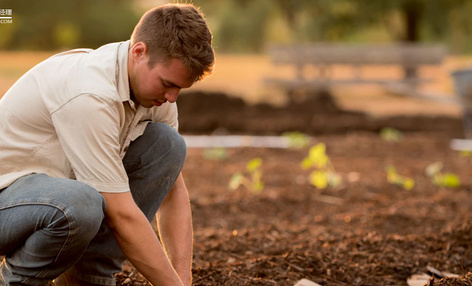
x: 325, y: 56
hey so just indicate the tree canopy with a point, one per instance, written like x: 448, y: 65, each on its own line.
x: 245, y: 25
x: 56, y: 24
x: 445, y: 21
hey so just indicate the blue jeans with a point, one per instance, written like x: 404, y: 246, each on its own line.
x: 52, y: 225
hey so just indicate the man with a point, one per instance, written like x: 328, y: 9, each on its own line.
x: 89, y: 151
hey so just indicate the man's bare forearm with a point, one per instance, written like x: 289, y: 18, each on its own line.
x: 175, y: 229
x: 138, y: 241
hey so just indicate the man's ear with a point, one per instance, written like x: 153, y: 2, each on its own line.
x: 139, y: 51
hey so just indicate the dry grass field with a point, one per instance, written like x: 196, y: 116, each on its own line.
x: 243, y: 76
x: 14, y: 64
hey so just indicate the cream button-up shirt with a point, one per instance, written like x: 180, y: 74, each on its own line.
x: 71, y: 116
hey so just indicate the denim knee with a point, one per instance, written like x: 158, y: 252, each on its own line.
x: 87, y: 209
x: 161, y: 144
x: 170, y: 140
x: 82, y: 205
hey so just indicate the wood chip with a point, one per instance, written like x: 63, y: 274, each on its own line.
x: 306, y: 282
x: 419, y: 279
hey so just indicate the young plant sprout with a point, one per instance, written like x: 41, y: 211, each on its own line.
x: 323, y: 175
x: 251, y: 178
x: 466, y: 154
x: 440, y: 179
x: 215, y: 153
x: 394, y: 178
x: 391, y: 134
x: 296, y: 139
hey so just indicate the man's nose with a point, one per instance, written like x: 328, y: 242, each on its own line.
x: 172, y: 94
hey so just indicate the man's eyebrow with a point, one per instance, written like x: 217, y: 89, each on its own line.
x: 168, y: 82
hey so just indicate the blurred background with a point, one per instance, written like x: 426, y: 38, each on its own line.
x: 243, y: 29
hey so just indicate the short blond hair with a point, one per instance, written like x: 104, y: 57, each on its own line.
x: 177, y: 31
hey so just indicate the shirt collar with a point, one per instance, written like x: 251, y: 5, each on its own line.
x: 122, y: 73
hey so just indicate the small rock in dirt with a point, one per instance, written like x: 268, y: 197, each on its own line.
x: 419, y: 279
x: 306, y: 282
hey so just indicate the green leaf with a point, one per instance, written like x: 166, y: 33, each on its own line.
x: 319, y: 179
x: 451, y: 180
x: 217, y: 153
x: 296, y: 139
x: 448, y: 180
x: 257, y: 184
x: 253, y: 164
x: 408, y: 184
x: 317, y: 155
x: 392, y: 176
x: 391, y: 134
x: 306, y: 163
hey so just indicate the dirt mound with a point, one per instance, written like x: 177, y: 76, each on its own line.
x: 205, y: 112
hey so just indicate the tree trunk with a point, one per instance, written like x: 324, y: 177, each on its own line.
x: 412, y: 14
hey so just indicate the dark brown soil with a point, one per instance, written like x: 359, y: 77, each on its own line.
x: 371, y: 233
x: 204, y: 113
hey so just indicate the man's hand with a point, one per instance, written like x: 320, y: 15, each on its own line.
x: 137, y: 240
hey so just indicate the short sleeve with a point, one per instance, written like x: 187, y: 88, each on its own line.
x: 88, y: 128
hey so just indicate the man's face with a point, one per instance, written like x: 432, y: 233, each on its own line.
x: 158, y: 84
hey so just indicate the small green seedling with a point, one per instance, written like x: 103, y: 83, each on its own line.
x: 394, y: 178
x: 391, y: 134
x: 251, y: 178
x: 216, y: 153
x: 323, y: 175
x: 440, y: 179
x: 466, y: 154
x: 296, y: 139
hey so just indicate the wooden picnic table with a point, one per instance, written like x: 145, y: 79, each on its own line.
x: 323, y: 57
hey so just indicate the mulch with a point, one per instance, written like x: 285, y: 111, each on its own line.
x: 366, y: 231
